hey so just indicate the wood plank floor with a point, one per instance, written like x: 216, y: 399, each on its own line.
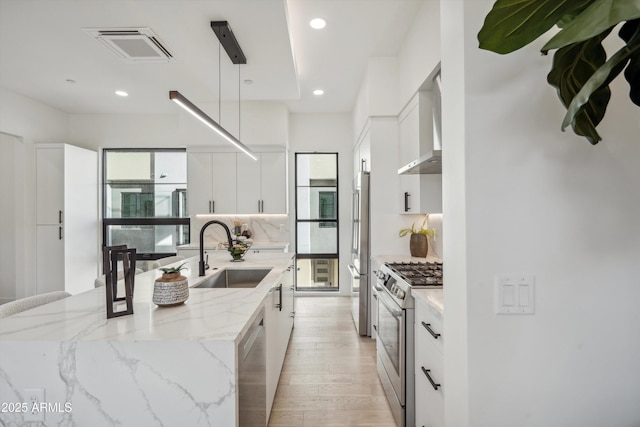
x: 329, y: 375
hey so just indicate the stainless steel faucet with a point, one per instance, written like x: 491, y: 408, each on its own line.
x: 201, y: 265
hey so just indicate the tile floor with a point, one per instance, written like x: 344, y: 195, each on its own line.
x: 329, y: 375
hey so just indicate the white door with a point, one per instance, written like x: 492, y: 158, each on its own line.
x: 273, y: 183
x: 224, y: 192
x: 50, y: 258
x: 248, y: 184
x: 199, y: 179
x: 49, y: 185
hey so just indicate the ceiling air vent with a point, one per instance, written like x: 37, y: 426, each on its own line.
x: 132, y: 44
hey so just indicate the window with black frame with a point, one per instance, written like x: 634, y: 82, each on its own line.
x: 145, y: 200
x: 317, y: 221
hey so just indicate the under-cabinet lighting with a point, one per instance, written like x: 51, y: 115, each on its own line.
x: 179, y: 99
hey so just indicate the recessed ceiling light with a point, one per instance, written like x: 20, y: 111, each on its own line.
x: 318, y: 92
x: 318, y: 23
x: 121, y: 93
x: 248, y: 81
x: 71, y: 81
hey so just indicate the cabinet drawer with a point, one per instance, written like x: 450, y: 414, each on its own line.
x: 429, y: 400
x: 429, y: 324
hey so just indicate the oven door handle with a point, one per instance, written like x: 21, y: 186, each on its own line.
x: 389, y: 304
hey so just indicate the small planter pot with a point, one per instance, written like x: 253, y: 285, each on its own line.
x: 419, y: 245
x: 170, y: 289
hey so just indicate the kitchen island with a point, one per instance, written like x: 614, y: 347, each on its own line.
x: 160, y: 366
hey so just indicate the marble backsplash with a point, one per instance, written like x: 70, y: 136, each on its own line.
x: 435, y: 242
x: 264, y: 228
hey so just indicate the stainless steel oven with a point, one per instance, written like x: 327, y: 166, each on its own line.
x: 395, y: 340
x: 394, y: 347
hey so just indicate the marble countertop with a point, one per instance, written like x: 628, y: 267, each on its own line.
x: 208, y: 314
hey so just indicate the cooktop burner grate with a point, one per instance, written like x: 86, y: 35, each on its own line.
x: 419, y: 273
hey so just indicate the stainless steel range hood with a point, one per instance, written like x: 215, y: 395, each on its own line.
x: 431, y: 161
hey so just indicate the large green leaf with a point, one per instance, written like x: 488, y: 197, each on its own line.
x: 572, y: 67
x: 512, y: 24
x: 601, y: 78
x: 632, y: 72
x: 596, y: 18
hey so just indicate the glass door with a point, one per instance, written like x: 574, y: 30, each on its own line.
x: 317, y: 221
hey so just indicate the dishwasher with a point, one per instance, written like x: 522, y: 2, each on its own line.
x: 252, y: 370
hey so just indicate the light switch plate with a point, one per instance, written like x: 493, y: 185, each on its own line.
x: 514, y: 294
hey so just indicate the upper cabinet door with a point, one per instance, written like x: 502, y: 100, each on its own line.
x: 274, y: 182
x: 199, y: 179
x: 224, y: 190
x: 248, y: 178
x: 49, y: 186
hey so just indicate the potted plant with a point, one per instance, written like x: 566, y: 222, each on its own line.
x: 171, y: 288
x: 419, y: 242
x: 581, y: 71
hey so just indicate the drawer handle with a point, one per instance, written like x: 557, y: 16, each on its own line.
x: 427, y: 326
x: 433, y: 383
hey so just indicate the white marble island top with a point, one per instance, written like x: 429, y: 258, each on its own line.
x: 161, y: 366
x: 208, y: 314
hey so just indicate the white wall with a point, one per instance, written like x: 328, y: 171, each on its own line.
x: 10, y: 146
x: 535, y: 200
x: 328, y: 133
x: 30, y: 122
x: 263, y: 123
x: 420, y: 51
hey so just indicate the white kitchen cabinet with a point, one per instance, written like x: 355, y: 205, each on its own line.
x: 66, y: 218
x: 429, y: 366
x: 422, y: 193
x: 211, y: 181
x: 279, y: 316
x: 262, y: 185
x: 362, y: 155
x: 224, y: 182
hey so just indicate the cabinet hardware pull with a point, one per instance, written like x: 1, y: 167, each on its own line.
x: 59, y: 217
x: 279, y: 305
x: 59, y: 233
x: 213, y: 206
x: 406, y: 201
x: 209, y: 206
x: 433, y: 383
x: 428, y: 328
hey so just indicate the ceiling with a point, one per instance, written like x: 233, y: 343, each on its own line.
x: 46, y: 55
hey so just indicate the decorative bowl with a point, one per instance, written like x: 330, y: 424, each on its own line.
x: 238, y: 250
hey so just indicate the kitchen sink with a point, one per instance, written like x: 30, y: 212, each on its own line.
x: 235, y: 278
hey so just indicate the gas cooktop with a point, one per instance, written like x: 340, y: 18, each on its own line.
x: 418, y: 273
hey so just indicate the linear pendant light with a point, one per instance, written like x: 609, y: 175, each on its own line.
x: 231, y: 46
x: 179, y: 99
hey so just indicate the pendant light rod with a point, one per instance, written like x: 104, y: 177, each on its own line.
x: 179, y: 99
